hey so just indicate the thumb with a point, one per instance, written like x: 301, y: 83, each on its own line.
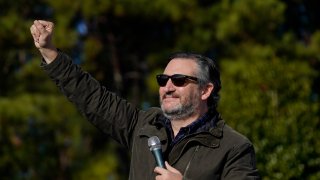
x: 170, y: 168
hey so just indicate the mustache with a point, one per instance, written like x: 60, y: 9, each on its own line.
x: 170, y: 95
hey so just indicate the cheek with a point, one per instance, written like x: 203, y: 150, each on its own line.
x: 161, y: 91
x: 191, y: 95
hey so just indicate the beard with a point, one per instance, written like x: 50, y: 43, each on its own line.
x: 182, y: 110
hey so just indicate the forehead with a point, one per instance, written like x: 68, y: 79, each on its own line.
x: 181, y: 66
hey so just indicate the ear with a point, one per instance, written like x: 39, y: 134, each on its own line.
x: 206, y: 91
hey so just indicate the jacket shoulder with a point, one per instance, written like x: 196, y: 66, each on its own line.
x: 149, y: 116
x: 233, y: 137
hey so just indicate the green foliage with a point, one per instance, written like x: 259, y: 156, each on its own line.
x: 100, y: 166
x: 271, y: 97
x: 41, y: 136
x: 249, y: 20
x: 270, y: 77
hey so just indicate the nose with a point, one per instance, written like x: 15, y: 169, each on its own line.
x: 169, y: 86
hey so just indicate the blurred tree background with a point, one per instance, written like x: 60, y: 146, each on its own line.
x: 268, y: 52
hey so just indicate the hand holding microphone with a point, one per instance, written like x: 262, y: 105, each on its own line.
x: 164, y: 171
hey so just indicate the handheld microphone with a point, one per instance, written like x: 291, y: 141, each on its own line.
x: 155, y: 147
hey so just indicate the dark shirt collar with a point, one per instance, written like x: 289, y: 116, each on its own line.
x: 204, y: 123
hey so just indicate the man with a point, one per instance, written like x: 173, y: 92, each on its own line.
x: 196, y: 142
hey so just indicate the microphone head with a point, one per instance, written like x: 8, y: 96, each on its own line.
x: 154, y: 143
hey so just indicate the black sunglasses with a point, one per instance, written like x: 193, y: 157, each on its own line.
x: 177, y: 79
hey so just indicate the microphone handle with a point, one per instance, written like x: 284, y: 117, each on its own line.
x: 158, y: 157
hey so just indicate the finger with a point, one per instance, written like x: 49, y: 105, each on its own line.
x: 159, y: 170
x: 170, y: 168
x: 47, y: 25
x: 43, y: 22
x: 34, y: 31
x: 159, y: 177
x: 39, y: 27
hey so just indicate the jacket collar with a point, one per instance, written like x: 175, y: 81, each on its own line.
x: 155, y: 128
x: 211, y: 138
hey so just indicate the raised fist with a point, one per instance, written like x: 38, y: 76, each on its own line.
x: 42, y: 33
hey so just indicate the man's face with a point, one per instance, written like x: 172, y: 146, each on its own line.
x: 178, y: 102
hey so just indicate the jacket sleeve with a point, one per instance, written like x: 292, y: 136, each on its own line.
x: 241, y: 164
x: 105, y: 110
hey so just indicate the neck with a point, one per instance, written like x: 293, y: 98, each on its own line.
x: 177, y: 124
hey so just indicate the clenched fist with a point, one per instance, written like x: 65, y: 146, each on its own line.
x: 42, y: 32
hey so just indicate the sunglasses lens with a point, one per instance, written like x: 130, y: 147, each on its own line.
x: 178, y: 80
x: 162, y: 80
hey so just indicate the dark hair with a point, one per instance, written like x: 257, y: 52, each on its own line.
x: 207, y: 72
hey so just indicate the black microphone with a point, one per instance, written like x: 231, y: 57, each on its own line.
x: 155, y: 147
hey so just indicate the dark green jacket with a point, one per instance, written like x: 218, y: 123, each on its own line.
x: 220, y: 153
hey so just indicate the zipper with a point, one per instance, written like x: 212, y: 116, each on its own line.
x: 187, y: 168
